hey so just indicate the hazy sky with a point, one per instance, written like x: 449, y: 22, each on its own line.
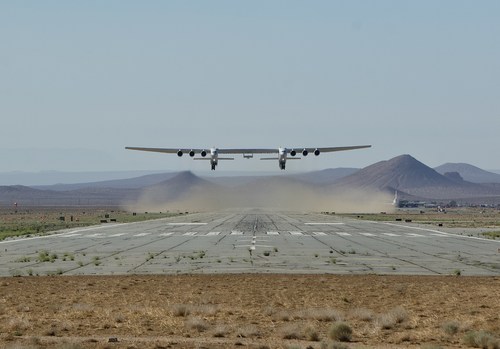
x: 80, y: 80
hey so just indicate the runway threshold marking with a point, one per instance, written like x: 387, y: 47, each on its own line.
x: 324, y: 223
x: 166, y: 234
x: 212, y: 233
x: 390, y: 234
x: 188, y: 223
x: 273, y: 233
x: 190, y: 233
x: 142, y: 234
x: 319, y: 233
x: 296, y: 233
x: 367, y: 234
x: 236, y: 232
x: 117, y: 235
x: 343, y: 233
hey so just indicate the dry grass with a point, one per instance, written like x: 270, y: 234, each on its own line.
x: 218, y: 311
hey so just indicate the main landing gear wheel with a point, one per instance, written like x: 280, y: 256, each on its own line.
x: 213, y: 167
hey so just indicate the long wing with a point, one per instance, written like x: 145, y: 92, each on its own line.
x: 247, y: 150
x: 330, y: 149
x: 168, y: 150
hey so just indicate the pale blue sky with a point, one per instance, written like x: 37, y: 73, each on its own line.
x: 80, y: 80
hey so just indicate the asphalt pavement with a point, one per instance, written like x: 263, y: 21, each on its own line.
x: 253, y: 241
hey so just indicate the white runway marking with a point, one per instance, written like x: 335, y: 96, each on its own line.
x: 236, y: 232
x: 166, y: 234
x: 190, y: 233
x: 343, y: 234
x: 324, y: 223
x: 443, y: 234
x: 187, y: 223
x: 213, y: 233
x: 390, y: 234
x: 273, y: 233
x: 117, y: 235
x: 367, y: 234
x: 319, y: 233
x: 296, y: 233
x: 70, y: 235
x: 414, y: 235
x: 142, y: 234
x: 96, y: 235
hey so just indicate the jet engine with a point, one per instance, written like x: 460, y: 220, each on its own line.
x: 293, y: 152
x: 179, y: 153
x: 191, y: 153
x: 305, y: 152
x: 316, y: 152
x: 203, y: 153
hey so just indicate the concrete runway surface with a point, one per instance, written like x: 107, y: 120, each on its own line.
x: 252, y: 241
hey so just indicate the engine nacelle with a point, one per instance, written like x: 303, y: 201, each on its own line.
x: 305, y: 152
x: 293, y: 152
x: 203, y: 153
x: 179, y: 153
x: 316, y: 152
x: 191, y: 153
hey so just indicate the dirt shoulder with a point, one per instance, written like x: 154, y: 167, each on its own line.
x: 249, y: 310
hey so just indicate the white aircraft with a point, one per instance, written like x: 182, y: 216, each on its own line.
x: 213, y: 153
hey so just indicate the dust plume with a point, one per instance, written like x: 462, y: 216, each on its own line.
x: 272, y: 194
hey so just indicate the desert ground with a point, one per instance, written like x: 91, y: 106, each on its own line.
x: 249, y: 310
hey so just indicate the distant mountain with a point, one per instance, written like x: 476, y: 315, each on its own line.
x: 408, y: 175
x: 183, y: 186
x: 469, y: 173
x: 331, y: 189
x: 128, y: 183
x: 400, y: 172
x: 48, y: 178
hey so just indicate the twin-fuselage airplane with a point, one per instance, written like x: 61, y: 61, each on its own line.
x: 212, y: 154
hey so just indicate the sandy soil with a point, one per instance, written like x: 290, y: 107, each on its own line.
x: 252, y: 311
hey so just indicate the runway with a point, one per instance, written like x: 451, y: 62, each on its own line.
x: 252, y: 241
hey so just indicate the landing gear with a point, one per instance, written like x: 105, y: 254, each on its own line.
x: 213, y: 167
x: 282, y: 165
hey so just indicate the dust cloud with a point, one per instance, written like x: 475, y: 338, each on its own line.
x: 274, y: 196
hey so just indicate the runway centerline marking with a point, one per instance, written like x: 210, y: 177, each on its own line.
x: 273, y: 233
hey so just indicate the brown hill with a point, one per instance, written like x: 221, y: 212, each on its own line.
x: 408, y: 175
